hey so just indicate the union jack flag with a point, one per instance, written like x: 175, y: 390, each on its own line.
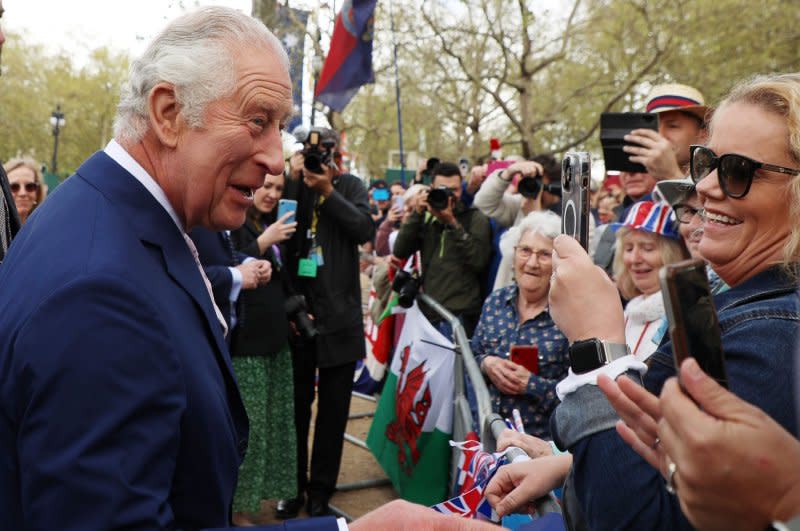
x: 476, y: 469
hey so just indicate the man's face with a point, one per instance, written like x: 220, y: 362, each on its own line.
x: 636, y: 185
x: 682, y: 131
x: 397, y: 190
x: 213, y: 170
x: 453, y: 182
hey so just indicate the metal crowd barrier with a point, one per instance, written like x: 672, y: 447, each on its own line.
x: 490, y: 424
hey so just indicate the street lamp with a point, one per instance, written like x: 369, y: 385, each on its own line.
x: 57, y: 121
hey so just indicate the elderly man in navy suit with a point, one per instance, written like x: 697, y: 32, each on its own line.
x: 118, y: 405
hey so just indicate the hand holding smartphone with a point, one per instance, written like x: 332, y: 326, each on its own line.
x: 693, y: 324
x: 527, y: 356
x: 576, y: 176
x: 287, y: 205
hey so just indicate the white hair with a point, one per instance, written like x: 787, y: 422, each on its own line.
x: 196, y: 53
x: 543, y: 222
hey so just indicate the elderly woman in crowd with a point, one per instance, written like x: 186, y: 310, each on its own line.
x: 26, y: 183
x: 748, y: 180
x: 518, y: 315
x: 646, y: 240
x: 262, y: 361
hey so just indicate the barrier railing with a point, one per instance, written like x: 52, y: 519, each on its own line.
x: 490, y: 424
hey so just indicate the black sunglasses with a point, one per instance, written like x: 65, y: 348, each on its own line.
x: 684, y: 212
x: 29, y: 187
x: 735, y: 172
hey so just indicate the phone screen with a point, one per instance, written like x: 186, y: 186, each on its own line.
x: 527, y: 356
x: 287, y: 205
x: 693, y: 324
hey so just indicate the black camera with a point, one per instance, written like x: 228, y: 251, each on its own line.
x: 318, y: 152
x: 407, y: 286
x: 439, y: 198
x: 297, y: 312
x: 531, y: 186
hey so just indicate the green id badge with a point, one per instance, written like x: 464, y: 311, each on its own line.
x: 307, y: 267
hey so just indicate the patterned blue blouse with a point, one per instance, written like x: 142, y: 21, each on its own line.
x: 497, y: 330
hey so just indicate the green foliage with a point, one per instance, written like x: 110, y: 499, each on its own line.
x: 35, y: 81
x: 538, y: 79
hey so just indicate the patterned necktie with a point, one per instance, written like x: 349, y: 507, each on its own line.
x: 207, y: 282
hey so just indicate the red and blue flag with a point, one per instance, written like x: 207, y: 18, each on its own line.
x: 349, y: 61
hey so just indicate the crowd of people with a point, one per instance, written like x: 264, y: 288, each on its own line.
x: 160, y: 371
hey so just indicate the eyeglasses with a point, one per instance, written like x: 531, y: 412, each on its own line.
x: 29, y: 187
x: 685, y: 213
x: 735, y: 172
x: 526, y: 252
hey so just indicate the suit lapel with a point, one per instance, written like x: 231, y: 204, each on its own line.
x: 154, y: 225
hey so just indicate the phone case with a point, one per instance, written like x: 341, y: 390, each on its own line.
x: 613, y: 128
x: 693, y: 325
x: 287, y: 205
x: 575, y: 179
x: 527, y: 356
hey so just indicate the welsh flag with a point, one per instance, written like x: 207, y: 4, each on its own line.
x: 411, y: 430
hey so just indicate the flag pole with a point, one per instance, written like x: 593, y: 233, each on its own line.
x: 397, y: 98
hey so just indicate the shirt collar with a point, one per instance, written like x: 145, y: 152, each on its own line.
x: 124, y: 159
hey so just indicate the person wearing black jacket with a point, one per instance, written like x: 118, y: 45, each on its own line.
x: 262, y: 360
x: 333, y: 218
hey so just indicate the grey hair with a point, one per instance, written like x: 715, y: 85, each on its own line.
x: 543, y: 222
x: 196, y: 53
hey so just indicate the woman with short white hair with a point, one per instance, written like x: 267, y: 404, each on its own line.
x: 517, y: 315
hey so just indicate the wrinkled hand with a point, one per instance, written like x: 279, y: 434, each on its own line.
x: 736, y: 467
x: 584, y: 302
x: 516, y: 485
x: 322, y: 183
x: 533, y: 446
x: 499, y: 371
x: 655, y: 152
x: 519, y: 376
x: 255, y: 273
x: 400, y: 515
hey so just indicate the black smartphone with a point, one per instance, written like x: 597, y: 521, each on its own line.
x: 613, y: 128
x: 576, y: 174
x: 693, y: 324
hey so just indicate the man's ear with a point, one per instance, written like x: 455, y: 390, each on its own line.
x: 165, y: 117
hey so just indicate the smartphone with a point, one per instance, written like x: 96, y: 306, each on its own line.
x: 495, y: 165
x: 576, y: 175
x: 398, y: 202
x: 693, y: 324
x: 527, y: 356
x: 287, y: 205
x: 613, y: 128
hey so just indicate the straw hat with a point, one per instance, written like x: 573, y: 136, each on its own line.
x: 675, y: 97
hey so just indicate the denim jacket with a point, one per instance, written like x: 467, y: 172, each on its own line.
x: 617, y: 489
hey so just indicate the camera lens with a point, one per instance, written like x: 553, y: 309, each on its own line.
x: 566, y: 174
x: 529, y: 186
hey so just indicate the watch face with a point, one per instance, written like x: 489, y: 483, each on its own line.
x: 586, y: 355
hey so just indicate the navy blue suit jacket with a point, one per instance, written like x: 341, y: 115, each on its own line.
x: 118, y: 404
x: 215, y: 255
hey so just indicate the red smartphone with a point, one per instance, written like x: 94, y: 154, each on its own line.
x: 527, y: 356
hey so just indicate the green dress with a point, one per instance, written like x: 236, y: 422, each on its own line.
x: 269, y: 470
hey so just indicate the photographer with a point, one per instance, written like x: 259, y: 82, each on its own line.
x: 333, y: 218
x: 533, y: 179
x: 455, y: 245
